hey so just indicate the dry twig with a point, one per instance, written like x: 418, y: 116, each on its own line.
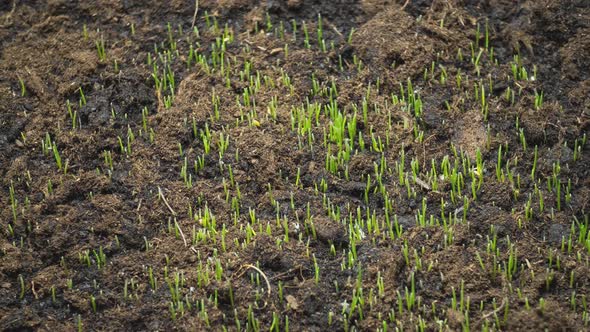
x: 161, y: 194
x: 250, y: 266
x: 495, y: 311
x: 195, y: 14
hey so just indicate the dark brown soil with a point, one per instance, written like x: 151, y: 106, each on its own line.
x: 131, y: 244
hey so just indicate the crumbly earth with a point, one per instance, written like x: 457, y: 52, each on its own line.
x: 410, y: 165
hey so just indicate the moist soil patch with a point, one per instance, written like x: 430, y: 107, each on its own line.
x: 300, y: 165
